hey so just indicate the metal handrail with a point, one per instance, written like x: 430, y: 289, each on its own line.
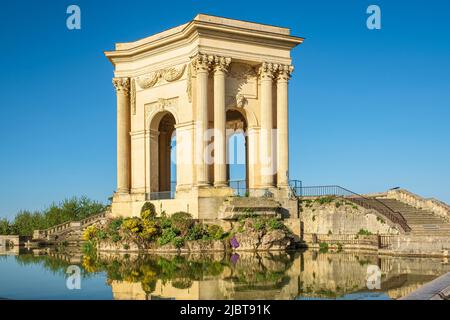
x: 368, y: 203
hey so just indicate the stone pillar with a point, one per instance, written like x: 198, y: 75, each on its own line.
x: 201, y: 63
x: 266, y: 73
x: 122, y: 86
x: 282, y: 126
x: 220, y: 166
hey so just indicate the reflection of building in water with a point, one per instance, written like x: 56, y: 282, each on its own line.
x: 310, y: 274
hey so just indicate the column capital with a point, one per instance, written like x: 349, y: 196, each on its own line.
x: 202, y: 62
x: 267, y: 71
x: 221, y: 64
x: 284, y: 72
x: 122, y: 85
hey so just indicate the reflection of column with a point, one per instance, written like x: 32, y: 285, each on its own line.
x: 201, y: 63
x: 122, y: 86
x: 220, y: 168
x: 282, y: 126
x: 265, y: 159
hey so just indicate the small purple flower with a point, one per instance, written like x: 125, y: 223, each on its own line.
x: 234, y: 258
x: 234, y: 243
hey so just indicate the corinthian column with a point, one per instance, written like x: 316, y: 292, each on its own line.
x: 282, y: 126
x: 201, y: 63
x: 266, y: 73
x: 220, y: 169
x: 122, y: 86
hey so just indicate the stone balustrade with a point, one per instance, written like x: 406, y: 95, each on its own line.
x: 437, y: 207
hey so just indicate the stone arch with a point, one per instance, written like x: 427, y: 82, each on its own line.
x: 249, y: 115
x: 162, y: 128
x: 237, y: 124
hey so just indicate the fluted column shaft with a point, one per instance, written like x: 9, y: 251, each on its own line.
x: 266, y: 157
x: 122, y: 86
x: 220, y: 149
x: 282, y: 126
x: 201, y: 64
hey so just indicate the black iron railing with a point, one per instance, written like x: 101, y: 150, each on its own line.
x: 365, y: 202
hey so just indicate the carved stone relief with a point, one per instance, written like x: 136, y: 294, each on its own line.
x: 169, y: 74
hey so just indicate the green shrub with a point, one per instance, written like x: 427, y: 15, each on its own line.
x: 113, y: 229
x: 323, y: 247
x: 164, y: 221
x: 182, y: 221
x: 178, y: 242
x: 148, y: 211
x: 364, y: 232
x: 325, y: 200
x: 274, y: 224
x: 150, y: 230
x: 215, y: 232
x: 167, y: 236
x: 133, y: 225
x: 115, y: 237
x: 197, y: 232
x: 259, y: 224
x: 380, y: 220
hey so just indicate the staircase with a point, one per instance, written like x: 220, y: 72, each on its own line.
x: 71, y: 231
x: 421, y: 222
x: 233, y: 207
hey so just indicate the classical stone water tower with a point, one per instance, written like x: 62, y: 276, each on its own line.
x: 193, y: 86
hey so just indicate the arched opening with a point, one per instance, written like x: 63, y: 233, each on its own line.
x: 163, y: 156
x: 237, y: 152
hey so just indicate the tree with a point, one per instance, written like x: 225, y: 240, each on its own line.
x: 5, y: 227
x: 73, y: 209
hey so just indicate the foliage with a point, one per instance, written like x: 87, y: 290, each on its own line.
x: 74, y: 209
x: 274, y: 224
x: 132, y: 225
x: 113, y: 229
x: 215, y: 232
x: 149, y: 230
x: 364, y: 232
x: 90, y: 233
x: 323, y: 247
x: 168, y: 235
x: 178, y: 242
x: 148, y: 211
x: 381, y: 220
x: 325, y: 200
x: 182, y: 221
x: 197, y: 232
x: 164, y: 221
x: 259, y: 224
x: 5, y: 227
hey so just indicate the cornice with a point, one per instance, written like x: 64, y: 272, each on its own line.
x: 194, y: 29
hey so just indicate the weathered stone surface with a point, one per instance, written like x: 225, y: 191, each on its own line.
x: 275, y: 240
x: 346, y: 218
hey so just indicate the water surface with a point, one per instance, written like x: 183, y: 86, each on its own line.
x: 41, y: 274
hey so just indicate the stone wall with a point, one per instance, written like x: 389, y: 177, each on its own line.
x: 13, y: 239
x: 418, y: 246
x: 342, y: 217
x: 437, y: 207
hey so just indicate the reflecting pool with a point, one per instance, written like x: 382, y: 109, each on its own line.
x: 42, y: 274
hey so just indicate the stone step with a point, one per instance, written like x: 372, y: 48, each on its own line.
x: 421, y: 222
x: 234, y: 207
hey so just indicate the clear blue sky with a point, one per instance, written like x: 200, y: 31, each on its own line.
x: 369, y: 110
